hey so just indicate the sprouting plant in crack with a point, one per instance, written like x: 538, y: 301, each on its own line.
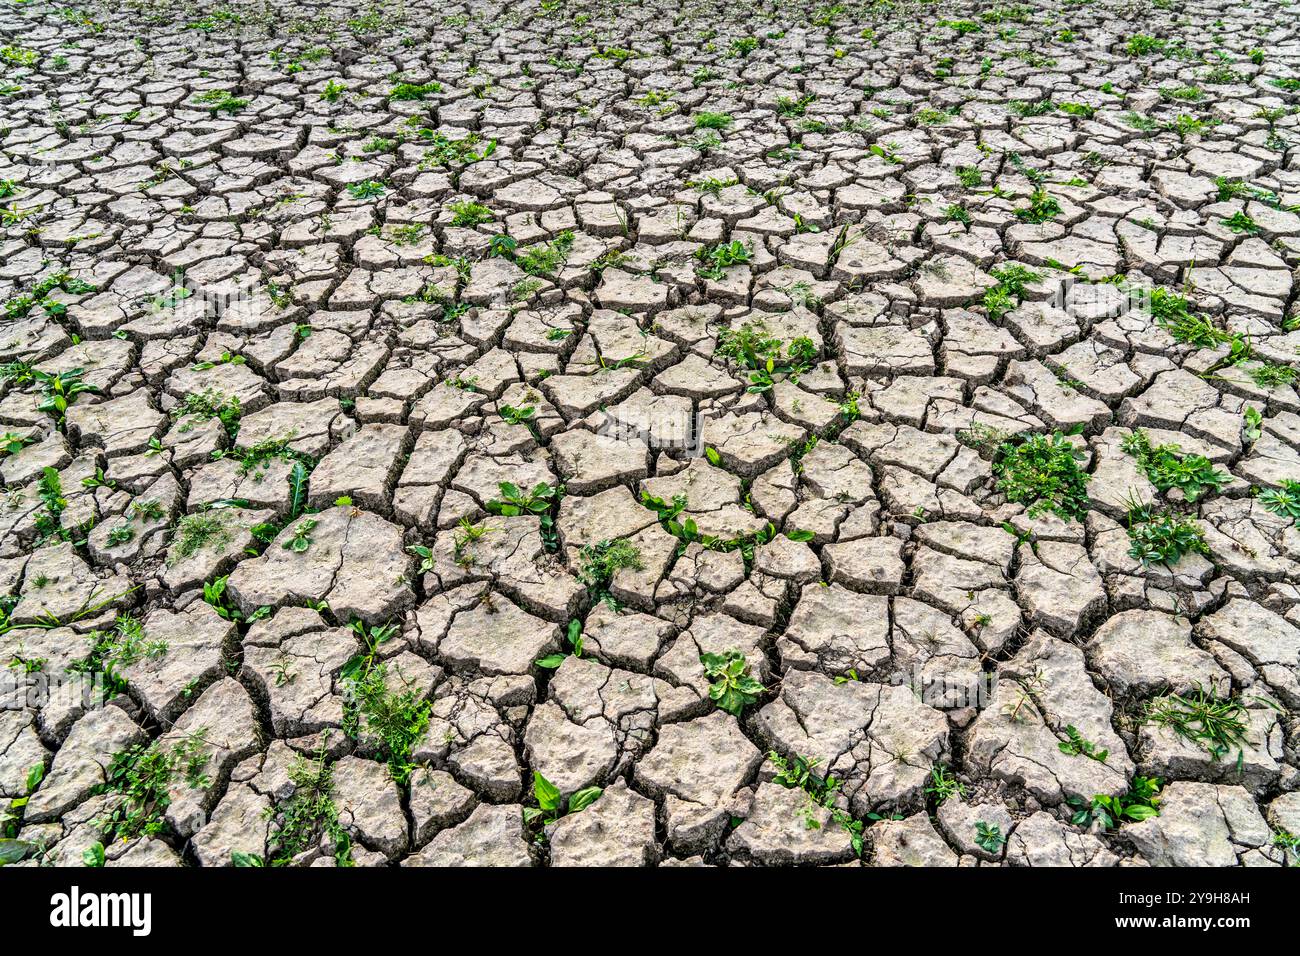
x: 1141, y: 802
x: 1215, y: 724
x: 60, y: 390
x: 943, y: 784
x: 989, y: 838
x: 573, y: 637
x: 308, y: 813
x: 526, y: 416
x: 207, y: 405
x: 425, y: 554
x: 216, y: 597
x: 551, y: 804
x: 117, y: 648
x: 1076, y: 745
x: 1042, y: 471
x: 1023, y: 705
x: 717, y: 259
x: 731, y: 687
x: 390, y: 721
x: 1167, y: 468
x: 546, y: 258
x: 1013, y: 281
x: 599, y: 562
x: 1283, y: 500
x: 138, y: 782
x: 541, y: 502
x: 467, y: 533
x: 1163, y: 536
x: 300, y: 540
x: 1289, y: 844
x: 49, y: 523
x: 12, y: 849
x: 765, y: 356
x: 799, y: 773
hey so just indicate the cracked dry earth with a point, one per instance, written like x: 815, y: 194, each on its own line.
x: 292, y: 290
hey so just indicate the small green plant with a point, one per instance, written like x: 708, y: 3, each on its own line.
x: 1284, y: 500
x: 394, y: 722
x: 467, y: 533
x: 715, y: 260
x: 367, y: 189
x: 750, y: 347
x: 333, y: 91
x: 989, y: 838
x: 798, y: 773
x: 944, y: 784
x: 220, y: 101
x: 139, y: 781
x: 301, y: 539
x: 1077, y: 746
x: 1167, y: 468
x: 1163, y: 536
x: 550, y: 804
x: 1140, y: 803
x: 1042, y: 208
x: 730, y: 686
x: 514, y: 501
x: 1042, y: 471
x: 60, y: 390
x: 207, y: 405
x: 1215, y: 724
x: 468, y: 214
x: 546, y: 258
x: 573, y: 635
x: 599, y: 562
x: 198, y: 531
x: 413, y: 91
x: 308, y: 814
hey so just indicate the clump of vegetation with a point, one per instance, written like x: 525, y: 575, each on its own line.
x: 546, y: 258
x: 116, y: 649
x: 730, y: 685
x: 944, y: 784
x: 1042, y: 208
x: 799, y: 773
x: 197, y: 531
x: 210, y: 404
x: 414, y: 91
x: 41, y: 295
x: 60, y: 390
x: 1076, y: 745
x: 220, y: 101
x: 551, y: 806
x: 469, y: 214
x: 392, y: 722
x: 1140, y: 803
x: 1214, y: 724
x: 1013, y: 280
x: 445, y: 152
x: 766, y: 356
x: 1284, y: 500
x: 1167, y: 468
x: 1043, y: 471
x: 367, y: 189
x: 308, y: 814
x: 139, y: 781
x: 599, y: 562
x: 717, y: 259
x: 989, y: 837
x: 1163, y: 536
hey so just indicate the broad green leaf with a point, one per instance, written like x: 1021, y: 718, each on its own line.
x: 548, y: 795
x: 584, y: 798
